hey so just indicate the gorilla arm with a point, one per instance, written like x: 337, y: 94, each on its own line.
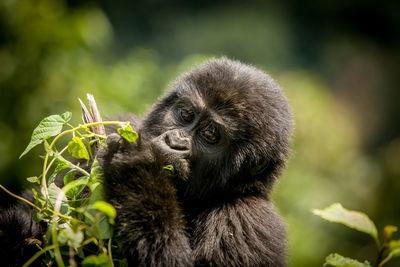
x: 149, y: 220
x: 243, y: 232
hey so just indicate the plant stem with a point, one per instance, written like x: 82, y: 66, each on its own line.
x: 20, y: 198
x: 37, y: 255
x: 63, y: 216
x: 92, y: 239
x: 56, y: 157
x: 57, y: 251
x: 73, y: 166
x: 44, y: 181
x: 384, y: 261
x: 110, y: 253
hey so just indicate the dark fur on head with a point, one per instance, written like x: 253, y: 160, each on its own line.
x: 254, y: 114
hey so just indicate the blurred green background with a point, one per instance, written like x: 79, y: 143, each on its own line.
x: 338, y: 62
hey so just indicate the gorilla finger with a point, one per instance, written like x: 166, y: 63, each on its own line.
x: 114, y: 142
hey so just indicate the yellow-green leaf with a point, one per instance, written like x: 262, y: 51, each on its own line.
x: 78, y: 149
x: 388, y: 231
x: 96, y: 174
x: 394, y: 244
x: 395, y: 253
x: 107, y: 209
x: 337, y: 260
x: 353, y: 219
x: 101, y: 260
x: 33, y: 180
x: 169, y: 168
x: 128, y: 133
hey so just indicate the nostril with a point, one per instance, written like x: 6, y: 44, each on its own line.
x: 181, y: 134
x: 176, y: 140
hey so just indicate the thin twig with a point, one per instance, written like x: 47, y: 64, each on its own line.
x: 20, y: 198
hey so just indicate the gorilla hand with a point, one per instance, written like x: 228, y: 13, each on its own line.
x: 176, y: 147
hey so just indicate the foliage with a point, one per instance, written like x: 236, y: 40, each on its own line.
x: 79, y: 227
x: 57, y: 50
x: 389, y: 249
x: 327, y: 165
x: 337, y: 260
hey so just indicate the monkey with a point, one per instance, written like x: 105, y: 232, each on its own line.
x: 225, y: 127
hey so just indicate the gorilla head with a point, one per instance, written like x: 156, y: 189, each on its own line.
x: 223, y: 125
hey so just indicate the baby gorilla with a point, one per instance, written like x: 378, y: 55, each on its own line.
x: 225, y: 127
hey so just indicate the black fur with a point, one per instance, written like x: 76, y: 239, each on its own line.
x: 215, y: 211
x: 19, y: 234
x: 225, y: 127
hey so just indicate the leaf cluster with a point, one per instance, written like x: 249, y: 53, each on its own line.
x: 387, y: 249
x: 79, y: 221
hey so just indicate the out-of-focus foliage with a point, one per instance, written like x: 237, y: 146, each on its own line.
x: 52, y: 52
x: 387, y: 248
x: 326, y: 166
x: 51, y: 57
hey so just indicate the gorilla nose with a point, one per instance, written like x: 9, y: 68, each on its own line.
x: 176, y: 139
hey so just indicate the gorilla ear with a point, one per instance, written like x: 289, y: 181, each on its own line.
x: 259, y: 168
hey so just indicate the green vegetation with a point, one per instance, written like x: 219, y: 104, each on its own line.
x: 79, y: 227
x: 389, y: 249
x: 342, y: 85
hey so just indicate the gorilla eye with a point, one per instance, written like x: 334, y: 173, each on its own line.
x: 211, y: 134
x: 187, y: 115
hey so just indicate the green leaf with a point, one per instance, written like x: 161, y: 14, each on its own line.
x: 97, y: 194
x: 128, y: 133
x: 33, y: 179
x: 38, y: 216
x: 51, y: 179
x: 74, y: 188
x: 48, y: 127
x: 340, y: 261
x: 35, y: 194
x: 103, y: 224
x: 54, y: 192
x: 122, y: 263
x: 61, y: 165
x: 66, y: 116
x: 169, y: 168
x: 394, y: 253
x: 96, y: 173
x: 394, y: 244
x: 388, y: 231
x: 101, y: 260
x: 353, y: 219
x: 78, y: 149
x: 107, y: 209
x: 106, y: 230
x: 69, y: 176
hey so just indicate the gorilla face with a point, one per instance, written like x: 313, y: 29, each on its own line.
x: 193, y: 134
x: 220, y: 122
